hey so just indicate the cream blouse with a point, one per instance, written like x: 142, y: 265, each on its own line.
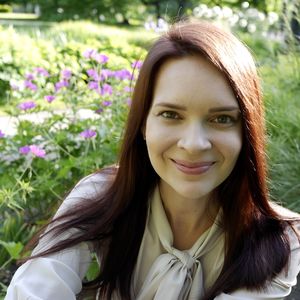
x: 162, y: 272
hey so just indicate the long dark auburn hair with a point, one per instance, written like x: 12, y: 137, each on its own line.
x: 256, y: 245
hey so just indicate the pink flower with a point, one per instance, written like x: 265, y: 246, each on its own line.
x: 2, y: 134
x: 27, y: 105
x: 34, y: 149
x: 37, y: 151
x: 88, y: 133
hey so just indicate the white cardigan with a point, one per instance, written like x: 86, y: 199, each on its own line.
x: 162, y: 272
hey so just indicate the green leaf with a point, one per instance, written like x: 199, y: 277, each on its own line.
x: 93, y: 270
x: 14, y: 249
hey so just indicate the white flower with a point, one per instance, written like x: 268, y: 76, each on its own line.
x: 208, y: 14
x: 245, y: 4
x: 227, y: 12
x: 217, y: 11
x: 243, y: 23
x: 251, y: 28
x: 272, y: 17
x: 233, y: 19
x: 261, y: 16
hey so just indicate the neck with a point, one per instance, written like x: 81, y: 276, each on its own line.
x: 188, y: 217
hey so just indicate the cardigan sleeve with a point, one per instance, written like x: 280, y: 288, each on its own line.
x: 280, y: 286
x: 59, y: 275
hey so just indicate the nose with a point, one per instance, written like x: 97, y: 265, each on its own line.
x: 194, y: 138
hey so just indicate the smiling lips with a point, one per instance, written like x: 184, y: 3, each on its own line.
x: 193, y: 168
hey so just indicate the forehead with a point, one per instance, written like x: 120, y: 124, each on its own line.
x: 192, y: 79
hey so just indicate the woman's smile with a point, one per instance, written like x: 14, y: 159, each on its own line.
x: 193, y: 168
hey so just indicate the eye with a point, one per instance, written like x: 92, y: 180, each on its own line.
x: 223, y: 120
x: 168, y: 114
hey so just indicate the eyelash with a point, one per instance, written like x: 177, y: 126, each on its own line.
x: 168, y: 114
x: 229, y: 120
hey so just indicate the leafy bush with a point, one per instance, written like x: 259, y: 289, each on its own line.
x: 4, y: 8
x: 68, y: 103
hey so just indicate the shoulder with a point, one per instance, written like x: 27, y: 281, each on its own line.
x: 88, y: 189
x: 283, y: 212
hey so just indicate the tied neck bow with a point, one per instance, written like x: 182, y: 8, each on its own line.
x: 175, y: 275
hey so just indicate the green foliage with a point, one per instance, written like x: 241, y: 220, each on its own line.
x: 34, y: 184
x: 5, y: 8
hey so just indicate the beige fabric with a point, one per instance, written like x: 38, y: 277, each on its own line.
x: 168, y: 272
x: 162, y: 272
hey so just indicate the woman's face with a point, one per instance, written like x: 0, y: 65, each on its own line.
x: 193, y: 129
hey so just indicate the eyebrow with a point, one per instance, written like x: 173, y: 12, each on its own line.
x: 211, y: 110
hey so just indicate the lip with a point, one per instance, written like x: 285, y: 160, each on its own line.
x: 193, y: 168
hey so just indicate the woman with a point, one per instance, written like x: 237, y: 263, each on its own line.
x: 186, y: 214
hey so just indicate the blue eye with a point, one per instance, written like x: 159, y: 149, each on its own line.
x: 170, y: 115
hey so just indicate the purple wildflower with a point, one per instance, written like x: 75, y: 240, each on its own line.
x: 93, y: 85
x: 105, y: 73
x: 37, y: 151
x: 128, y: 89
x: 66, y: 74
x: 2, y: 134
x: 100, y: 58
x: 106, y: 89
x: 60, y: 84
x: 24, y: 149
x: 42, y: 71
x: 88, y: 133
x: 49, y: 98
x: 99, y: 110
x: 128, y: 101
x: 29, y: 85
x: 89, y: 53
x: 137, y: 64
x: 106, y: 103
x: 123, y: 74
x: 93, y: 74
x: 29, y: 76
x: 27, y: 105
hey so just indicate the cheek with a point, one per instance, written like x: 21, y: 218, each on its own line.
x: 233, y: 147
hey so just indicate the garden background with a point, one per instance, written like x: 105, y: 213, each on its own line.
x: 67, y: 69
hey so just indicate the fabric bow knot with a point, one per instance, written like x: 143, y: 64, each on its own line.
x: 175, y: 275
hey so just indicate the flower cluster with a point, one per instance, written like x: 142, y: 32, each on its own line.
x: 94, y: 88
x: 34, y: 149
x: 245, y: 19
